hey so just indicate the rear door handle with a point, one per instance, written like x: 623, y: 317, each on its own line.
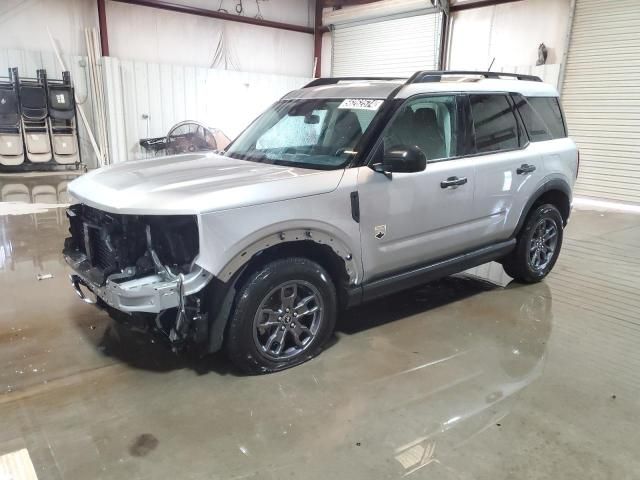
x: 453, y: 182
x: 525, y: 168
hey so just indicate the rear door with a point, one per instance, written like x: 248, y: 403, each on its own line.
x: 408, y: 219
x: 508, y: 168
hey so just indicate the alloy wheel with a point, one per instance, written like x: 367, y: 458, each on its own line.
x: 287, y: 320
x: 543, y: 244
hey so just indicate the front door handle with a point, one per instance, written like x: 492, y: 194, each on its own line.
x: 525, y: 168
x: 453, y: 182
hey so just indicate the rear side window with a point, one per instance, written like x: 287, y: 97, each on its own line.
x: 548, y: 108
x: 495, y: 124
x: 533, y: 122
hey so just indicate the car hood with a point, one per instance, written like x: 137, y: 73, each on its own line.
x: 196, y: 183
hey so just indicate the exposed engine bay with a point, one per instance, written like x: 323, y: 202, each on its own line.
x: 115, y: 243
x: 142, y: 265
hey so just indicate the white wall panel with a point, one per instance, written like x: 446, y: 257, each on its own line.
x: 24, y: 23
x: 164, y: 37
x: 510, y: 33
x: 601, y: 98
x: 159, y: 36
x: 146, y: 100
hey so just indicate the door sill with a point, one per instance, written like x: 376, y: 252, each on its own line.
x: 425, y: 273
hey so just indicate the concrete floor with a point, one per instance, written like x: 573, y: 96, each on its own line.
x: 459, y: 379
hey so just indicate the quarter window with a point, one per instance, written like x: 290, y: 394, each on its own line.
x: 495, y: 124
x: 549, y: 110
x: 533, y: 122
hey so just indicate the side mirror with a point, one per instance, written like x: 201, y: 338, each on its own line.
x: 402, y: 159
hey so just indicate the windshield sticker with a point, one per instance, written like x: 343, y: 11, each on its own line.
x: 361, y: 104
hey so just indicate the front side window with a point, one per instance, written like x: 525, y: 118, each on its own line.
x: 313, y: 133
x: 495, y: 124
x: 428, y: 123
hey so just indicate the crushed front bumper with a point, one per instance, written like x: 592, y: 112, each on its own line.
x: 122, y: 291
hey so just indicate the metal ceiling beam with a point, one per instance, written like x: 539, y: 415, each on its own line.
x: 479, y: 4
x: 346, y: 3
x: 202, y: 12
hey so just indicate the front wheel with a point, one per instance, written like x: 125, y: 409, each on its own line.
x: 284, y: 314
x: 538, y: 246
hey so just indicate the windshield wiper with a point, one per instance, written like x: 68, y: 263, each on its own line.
x: 252, y: 157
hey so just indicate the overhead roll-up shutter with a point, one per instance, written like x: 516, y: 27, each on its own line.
x: 398, y: 46
x: 601, y: 97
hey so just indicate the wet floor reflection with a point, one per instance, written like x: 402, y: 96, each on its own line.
x: 414, y: 377
x: 35, y: 188
x: 31, y: 210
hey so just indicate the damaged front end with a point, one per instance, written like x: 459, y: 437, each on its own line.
x: 140, y: 265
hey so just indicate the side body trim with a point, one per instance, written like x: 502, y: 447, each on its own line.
x: 425, y: 273
x: 355, y: 207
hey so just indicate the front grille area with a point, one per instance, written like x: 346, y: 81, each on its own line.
x: 100, y: 253
x: 113, y: 242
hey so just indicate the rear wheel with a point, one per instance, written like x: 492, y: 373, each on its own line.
x: 538, y: 245
x: 284, y: 314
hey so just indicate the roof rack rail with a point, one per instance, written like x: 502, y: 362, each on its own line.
x: 424, y: 76
x: 333, y: 80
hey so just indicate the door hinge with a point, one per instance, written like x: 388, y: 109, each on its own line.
x: 355, y: 207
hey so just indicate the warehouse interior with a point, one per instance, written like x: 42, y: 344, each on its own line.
x: 472, y: 376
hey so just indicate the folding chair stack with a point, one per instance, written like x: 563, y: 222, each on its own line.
x: 35, y: 126
x: 62, y: 121
x: 11, y: 149
x: 38, y: 124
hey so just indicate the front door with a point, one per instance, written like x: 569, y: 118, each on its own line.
x: 409, y: 219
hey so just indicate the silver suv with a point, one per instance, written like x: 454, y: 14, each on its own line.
x: 343, y: 191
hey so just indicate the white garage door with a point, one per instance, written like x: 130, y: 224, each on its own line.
x: 399, y: 46
x: 601, y: 97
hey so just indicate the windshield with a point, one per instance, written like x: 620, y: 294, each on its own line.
x: 318, y: 133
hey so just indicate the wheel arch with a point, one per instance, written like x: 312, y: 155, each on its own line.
x: 319, y: 246
x: 299, y: 241
x: 555, y: 191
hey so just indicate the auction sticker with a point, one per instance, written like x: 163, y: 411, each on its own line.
x: 361, y: 104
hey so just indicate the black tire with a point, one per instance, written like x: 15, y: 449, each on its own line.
x: 518, y: 263
x: 243, y: 338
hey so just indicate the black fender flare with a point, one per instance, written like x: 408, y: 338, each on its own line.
x: 551, y: 184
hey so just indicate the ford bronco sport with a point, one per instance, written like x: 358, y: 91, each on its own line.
x: 343, y: 191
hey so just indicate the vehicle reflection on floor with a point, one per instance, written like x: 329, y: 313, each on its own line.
x: 481, y: 381
x: 481, y: 355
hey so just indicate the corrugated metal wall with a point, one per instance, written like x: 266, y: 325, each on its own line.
x: 147, y: 99
x: 28, y: 62
x: 398, y: 46
x: 601, y: 97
